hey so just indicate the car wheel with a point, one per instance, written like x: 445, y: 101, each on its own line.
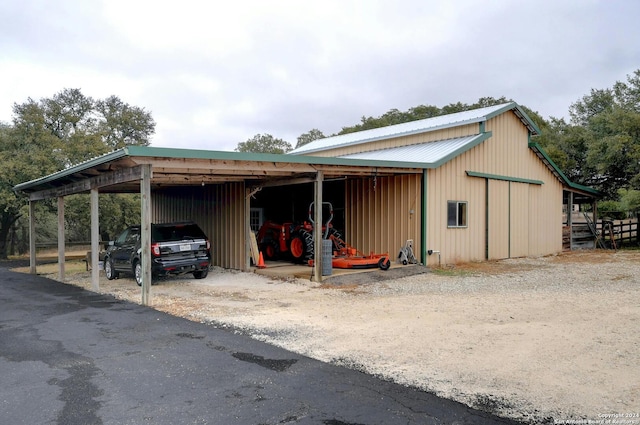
x: 201, y: 274
x: 109, y: 271
x: 137, y: 273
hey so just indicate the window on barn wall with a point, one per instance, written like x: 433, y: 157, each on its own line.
x: 256, y: 218
x: 456, y: 214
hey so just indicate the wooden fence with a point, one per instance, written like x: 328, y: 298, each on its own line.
x: 619, y: 233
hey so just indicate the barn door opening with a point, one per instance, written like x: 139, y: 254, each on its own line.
x: 507, y: 219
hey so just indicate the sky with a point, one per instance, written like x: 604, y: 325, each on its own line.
x: 214, y: 74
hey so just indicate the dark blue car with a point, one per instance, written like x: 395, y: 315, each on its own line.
x: 176, y: 248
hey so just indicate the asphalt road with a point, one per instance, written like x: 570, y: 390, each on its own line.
x: 70, y: 356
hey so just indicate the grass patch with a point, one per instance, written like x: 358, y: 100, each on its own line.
x: 70, y: 268
x: 450, y: 271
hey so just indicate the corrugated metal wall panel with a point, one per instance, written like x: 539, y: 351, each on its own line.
x: 382, y: 213
x: 498, y: 220
x: 535, y: 212
x: 218, y: 209
x: 519, y: 220
x: 450, y: 183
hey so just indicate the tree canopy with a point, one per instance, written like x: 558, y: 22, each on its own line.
x: 599, y: 146
x: 309, y: 137
x: 53, y: 133
x: 264, y: 143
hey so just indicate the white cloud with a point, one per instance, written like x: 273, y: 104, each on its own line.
x: 214, y: 74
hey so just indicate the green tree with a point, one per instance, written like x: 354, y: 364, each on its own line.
x: 591, y: 105
x: 630, y: 200
x: 48, y: 135
x: 264, y: 143
x: 117, y: 211
x: 24, y: 156
x: 123, y: 125
x: 609, y: 120
x: 309, y: 137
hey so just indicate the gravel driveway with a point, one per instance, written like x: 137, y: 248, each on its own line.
x: 550, y: 339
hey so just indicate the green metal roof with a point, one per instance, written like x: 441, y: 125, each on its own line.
x: 431, y: 154
x: 156, y: 152
x: 111, y: 156
x: 147, y: 151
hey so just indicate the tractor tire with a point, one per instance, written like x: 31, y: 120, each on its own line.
x: 270, y: 249
x: 337, y: 237
x: 301, y: 246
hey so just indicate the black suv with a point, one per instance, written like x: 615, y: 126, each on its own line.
x: 176, y: 248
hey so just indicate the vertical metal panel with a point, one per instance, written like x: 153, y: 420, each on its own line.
x: 498, y: 219
x: 536, y: 212
x: 383, y: 212
x: 450, y: 183
x: 219, y: 209
x: 519, y: 220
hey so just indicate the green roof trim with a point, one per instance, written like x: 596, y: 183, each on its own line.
x: 558, y: 172
x: 158, y: 152
x: 504, y: 178
x: 147, y: 151
x: 111, y: 156
x: 520, y: 113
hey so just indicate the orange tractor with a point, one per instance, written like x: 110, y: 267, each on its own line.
x: 275, y: 240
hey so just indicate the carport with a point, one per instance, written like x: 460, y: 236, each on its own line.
x: 213, y: 188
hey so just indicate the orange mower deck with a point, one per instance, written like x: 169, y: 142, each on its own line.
x: 353, y: 261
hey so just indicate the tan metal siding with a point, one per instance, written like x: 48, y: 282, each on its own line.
x: 519, y: 220
x: 450, y: 183
x: 449, y: 133
x: 382, y: 213
x: 535, y: 212
x: 218, y: 209
x: 498, y: 220
x: 545, y: 218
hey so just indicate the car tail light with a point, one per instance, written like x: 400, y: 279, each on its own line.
x: 208, y: 245
x: 155, y: 249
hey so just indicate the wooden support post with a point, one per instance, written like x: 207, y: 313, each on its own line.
x: 32, y: 237
x: 145, y: 233
x: 317, y: 228
x: 570, y: 219
x: 61, y: 258
x: 95, y: 240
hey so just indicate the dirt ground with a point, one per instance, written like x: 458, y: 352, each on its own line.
x: 544, y: 340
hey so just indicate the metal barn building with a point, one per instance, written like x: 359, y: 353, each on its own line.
x: 487, y: 191
x: 467, y: 186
